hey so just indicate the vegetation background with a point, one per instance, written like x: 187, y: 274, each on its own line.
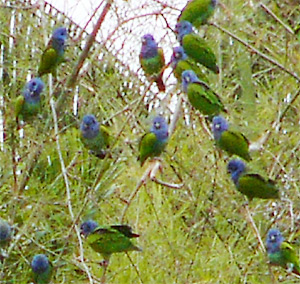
x: 199, y: 232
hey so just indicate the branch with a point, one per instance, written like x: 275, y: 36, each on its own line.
x: 64, y: 173
x: 277, y: 19
x: 256, y: 51
x: 72, y: 80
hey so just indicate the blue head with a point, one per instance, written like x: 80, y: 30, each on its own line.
x: 183, y: 28
x: 236, y: 168
x: 5, y: 231
x: 274, y: 240
x: 33, y: 90
x: 149, y: 47
x: 59, y: 38
x: 219, y: 126
x: 160, y: 128
x: 188, y: 76
x: 89, y: 126
x: 88, y: 227
x: 178, y: 54
x: 39, y: 263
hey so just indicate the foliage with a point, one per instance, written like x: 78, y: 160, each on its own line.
x: 198, y: 233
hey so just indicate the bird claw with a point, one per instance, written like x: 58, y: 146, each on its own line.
x: 103, y: 263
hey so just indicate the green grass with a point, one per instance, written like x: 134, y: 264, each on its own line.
x: 196, y: 234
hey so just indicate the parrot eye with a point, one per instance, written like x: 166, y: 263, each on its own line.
x: 157, y: 125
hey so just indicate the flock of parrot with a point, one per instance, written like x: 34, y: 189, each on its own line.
x: 187, y: 61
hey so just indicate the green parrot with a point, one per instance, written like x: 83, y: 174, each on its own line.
x: 200, y: 95
x: 233, y: 142
x: 29, y: 104
x: 154, y: 142
x: 152, y: 60
x: 54, y: 52
x: 195, y: 46
x: 181, y: 62
x: 107, y: 240
x: 94, y: 137
x: 281, y: 253
x: 42, y: 269
x: 251, y: 185
x: 197, y: 12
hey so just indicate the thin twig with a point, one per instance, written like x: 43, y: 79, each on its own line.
x: 256, y: 51
x: 91, y: 39
x: 66, y: 180
x: 277, y: 19
x: 249, y: 216
x: 135, y: 268
x: 89, y: 20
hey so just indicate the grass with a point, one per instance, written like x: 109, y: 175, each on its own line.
x: 195, y: 234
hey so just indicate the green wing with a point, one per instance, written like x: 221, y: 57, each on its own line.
x: 204, y: 99
x: 106, y: 135
x: 48, y: 62
x: 25, y: 109
x: 235, y: 143
x: 19, y: 102
x: 153, y: 66
x: 125, y: 230
x: 189, y: 64
x: 197, y: 48
x: 254, y: 185
x: 98, y: 144
x: 107, y: 240
x: 147, y: 147
x: 45, y: 277
x: 197, y: 12
x: 290, y: 257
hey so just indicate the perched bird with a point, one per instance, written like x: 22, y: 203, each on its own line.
x: 154, y: 142
x: 197, y: 12
x: 152, y: 60
x: 195, y: 46
x: 200, y: 95
x: 233, y: 142
x: 252, y: 185
x: 42, y: 269
x: 5, y: 233
x: 54, y: 52
x: 108, y: 239
x: 181, y: 62
x: 94, y: 137
x: 281, y: 253
x: 29, y: 103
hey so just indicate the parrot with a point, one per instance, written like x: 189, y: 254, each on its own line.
x: 281, y: 253
x: 29, y: 103
x: 251, y: 185
x: 107, y: 240
x: 153, y: 143
x: 200, y: 95
x: 181, y: 62
x: 54, y: 52
x: 195, y: 46
x: 94, y: 137
x: 42, y: 269
x: 152, y: 60
x: 5, y: 233
x: 197, y: 12
x: 233, y: 142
